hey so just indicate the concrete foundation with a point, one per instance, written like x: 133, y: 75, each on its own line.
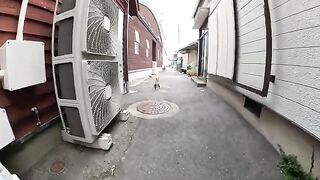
x: 276, y: 129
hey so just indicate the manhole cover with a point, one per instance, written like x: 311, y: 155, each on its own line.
x: 154, y: 107
x: 57, y: 167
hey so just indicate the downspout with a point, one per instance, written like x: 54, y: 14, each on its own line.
x: 22, y: 17
x: 125, y: 49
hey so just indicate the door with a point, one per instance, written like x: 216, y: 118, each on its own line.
x: 203, y: 51
x: 154, y: 51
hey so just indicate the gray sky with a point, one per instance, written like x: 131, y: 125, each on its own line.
x: 174, y: 12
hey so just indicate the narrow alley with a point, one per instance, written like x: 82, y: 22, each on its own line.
x: 142, y: 90
x: 206, y: 139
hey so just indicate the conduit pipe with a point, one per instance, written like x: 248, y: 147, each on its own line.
x: 22, y: 17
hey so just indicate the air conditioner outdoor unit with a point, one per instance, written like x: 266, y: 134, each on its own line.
x: 87, y: 68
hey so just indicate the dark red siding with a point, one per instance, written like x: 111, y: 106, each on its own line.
x: 18, y: 103
x: 122, y: 4
x: 140, y: 61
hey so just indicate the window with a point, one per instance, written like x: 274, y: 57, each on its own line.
x: 136, y: 47
x: 136, y: 42
x: 148, y: 47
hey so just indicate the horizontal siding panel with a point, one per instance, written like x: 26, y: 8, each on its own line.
x: 11, y: 7
x: 255, y: 69
x: 299, y: 94
x: 256, y: 58
x: 305, y: 76
x: 302, y: 116
x: 251, y: 27
x: 11, y: 98
x: 47, y: 115
x: 308, y: 57
x: 48, y: 5
x: 250, y: 80
x: 253, y: 36
x: 22, y: 110
x: 301, y: 39
x: 276, y: 4
x: 258, y: 12
x: 301, y: 21
x: 246, y: 11
x: 252, y: 43
x: 9, y: 24
x: 293, y: 8
x: 243, y: 3
x: 253, y: 47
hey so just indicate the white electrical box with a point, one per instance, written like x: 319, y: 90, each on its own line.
x: 22, y: 64
x: 6, y: 134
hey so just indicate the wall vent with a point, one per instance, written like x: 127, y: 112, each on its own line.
x: 253, y: 106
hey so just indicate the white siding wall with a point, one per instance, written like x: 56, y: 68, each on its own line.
x: 295, y: 63
x: 185, y: 59
x: 252, y: 43
x: 193, y: 55
x: 213, y: 43
x: 295, y: 57
x: 221, y: 40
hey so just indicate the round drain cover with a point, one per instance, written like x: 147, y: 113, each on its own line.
x: 154, y: 107
x: 57, y: 167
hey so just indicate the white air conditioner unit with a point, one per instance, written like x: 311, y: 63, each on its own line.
x: 87, y: 68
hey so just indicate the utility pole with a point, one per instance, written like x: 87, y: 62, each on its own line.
x: 178, y: 36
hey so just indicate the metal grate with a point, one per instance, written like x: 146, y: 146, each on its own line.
x: 57, y: 167
x: 154, y: 107
x: 100, y: 40
x: 103, y: 75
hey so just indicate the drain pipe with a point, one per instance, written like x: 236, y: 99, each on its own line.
x: 22, y: 17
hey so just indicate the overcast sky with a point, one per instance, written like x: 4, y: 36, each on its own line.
x: 170, y: 13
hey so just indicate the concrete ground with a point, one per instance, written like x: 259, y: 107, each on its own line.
x: 206, y: 140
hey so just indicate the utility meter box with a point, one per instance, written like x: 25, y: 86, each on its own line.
x: 22, y: 64
x: 6, y: 134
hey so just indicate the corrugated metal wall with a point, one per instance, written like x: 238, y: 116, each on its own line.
x: 18, y: 103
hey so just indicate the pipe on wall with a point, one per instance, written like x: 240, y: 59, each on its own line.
x: 22, y: 17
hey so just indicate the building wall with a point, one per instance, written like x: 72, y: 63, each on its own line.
x: 185, y: 60
x: 291, y: 116
x: 295, y: 34
x: 150, y: 19
x: 276, y: 129
x: 18, y: 103
x: 252, y: 43
x: 141, y: 61
x: 193, y: 56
